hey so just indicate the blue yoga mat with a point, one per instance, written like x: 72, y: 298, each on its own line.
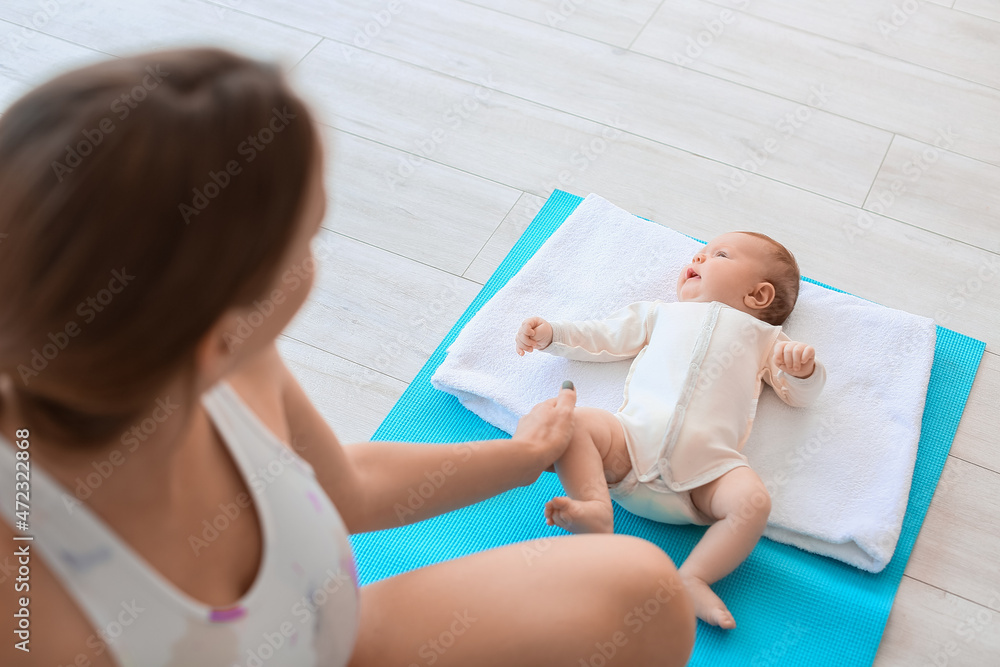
x: 793, y: 607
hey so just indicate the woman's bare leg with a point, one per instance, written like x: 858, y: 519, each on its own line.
x: 554, y: 602
x: 740, y: 503
x: 593, y: 459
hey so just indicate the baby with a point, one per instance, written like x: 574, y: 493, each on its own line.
x: 672, y: 451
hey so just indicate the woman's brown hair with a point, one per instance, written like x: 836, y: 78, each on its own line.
x: 139, y: 198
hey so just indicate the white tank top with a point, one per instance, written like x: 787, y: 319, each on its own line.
x: 301, y: 610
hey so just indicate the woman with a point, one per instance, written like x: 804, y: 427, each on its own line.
x: 188, y: 505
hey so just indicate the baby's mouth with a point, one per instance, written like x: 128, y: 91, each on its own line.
x: 691, y: 274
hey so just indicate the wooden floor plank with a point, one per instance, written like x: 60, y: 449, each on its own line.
x: 883, y: 91
x: 504, y: 238
x: 922, y: 33
x: 958, y: 542
x: 120, y: 27
x: 378, y: 309
x: 683, y: 108
x: 934, y: 188
x: 535, y: 149
x: 976, y: 440
x: 410, y: 206
x: 931, y: 627
x: 28, y: 58
x: 989, y: 9
x: 352, y: 398
x: 615, y: 22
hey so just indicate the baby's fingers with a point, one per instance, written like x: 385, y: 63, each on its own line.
x: 524, y: 343
x: 789, y: 354
x: 778, y: 358
x: 808, y: 354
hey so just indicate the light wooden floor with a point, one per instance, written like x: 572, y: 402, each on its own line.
x: 861, y: 133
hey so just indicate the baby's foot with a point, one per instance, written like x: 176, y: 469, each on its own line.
x: 580, y: 516
x: 707, y: 605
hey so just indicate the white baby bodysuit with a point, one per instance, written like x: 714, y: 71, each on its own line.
x: 691, y: 393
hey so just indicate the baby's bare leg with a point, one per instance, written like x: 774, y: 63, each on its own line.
x: 595, y: 457
x: 740, y: 503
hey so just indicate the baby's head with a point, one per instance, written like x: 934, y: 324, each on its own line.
x: 748, y: 271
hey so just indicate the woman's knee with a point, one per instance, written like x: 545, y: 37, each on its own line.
x: 661, y: 620
x: 640, y: 571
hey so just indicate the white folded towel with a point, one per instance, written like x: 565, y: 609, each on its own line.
x: 839, y: 471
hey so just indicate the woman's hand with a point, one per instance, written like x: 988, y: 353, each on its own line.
x: 548, y: 428
x: 534, y: 334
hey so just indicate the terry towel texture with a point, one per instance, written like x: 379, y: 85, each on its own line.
x: 839, y: 471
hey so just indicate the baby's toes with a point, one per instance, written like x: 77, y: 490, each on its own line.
x: 724, y: 619
x: 559, y: 503
x: 555, y: 510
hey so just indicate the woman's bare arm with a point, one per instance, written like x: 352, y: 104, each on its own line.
x: 377, y: 485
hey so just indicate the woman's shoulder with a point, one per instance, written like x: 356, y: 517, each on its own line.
x: 260, y: 382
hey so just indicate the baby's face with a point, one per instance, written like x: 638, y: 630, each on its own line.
x: 727, y: 269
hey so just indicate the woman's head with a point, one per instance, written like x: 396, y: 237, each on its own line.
x: 141, y: 200
x: 746, y: 270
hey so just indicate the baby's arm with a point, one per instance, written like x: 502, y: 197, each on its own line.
x: 621, y: 336
x: 792, y: 370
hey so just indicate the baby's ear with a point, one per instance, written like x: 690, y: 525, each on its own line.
x: 760, y: 296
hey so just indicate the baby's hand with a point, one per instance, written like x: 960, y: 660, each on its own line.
x: 534, y: 334
x: 796, y: 359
